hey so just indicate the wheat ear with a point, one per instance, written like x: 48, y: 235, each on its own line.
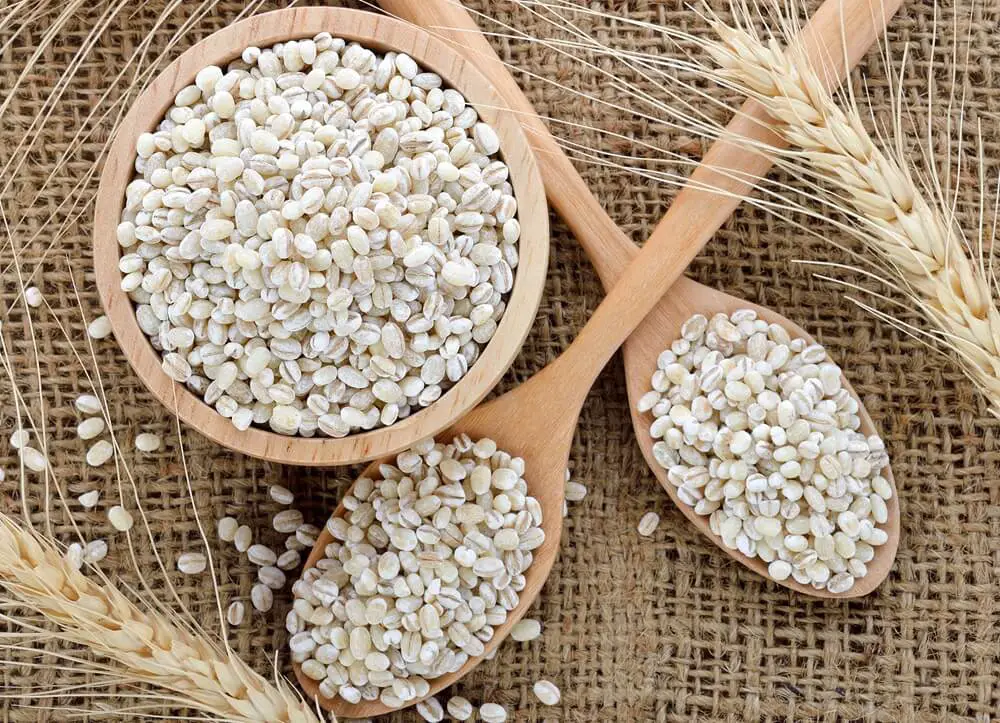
x: 151, y: 648
x: 913, y: 235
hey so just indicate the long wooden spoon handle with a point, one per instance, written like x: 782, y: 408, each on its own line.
x: 836, y: 38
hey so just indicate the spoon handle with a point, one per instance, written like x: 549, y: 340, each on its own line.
x: 837, y: 37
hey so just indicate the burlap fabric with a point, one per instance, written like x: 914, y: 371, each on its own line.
x: 661, y: 629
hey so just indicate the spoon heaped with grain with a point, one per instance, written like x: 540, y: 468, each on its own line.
x: 836, y: 38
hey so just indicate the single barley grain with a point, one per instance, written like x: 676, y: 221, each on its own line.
x: 289, y: 559
x: 33, y: 459
x: 227, y: 528
x: 547, y: 692
x: 192, y: 563
x: 261, y: 597
x: 120, y: 518
x: 99, y: 453
x: 460, y: 708
x: 243, y: 538
x: 99, y: 328
x: 95, y: 551
x: 90, y: 428
x: 261, y: 555
x: 20, y: 438
x: 575, y: 491
x: 281, y: 495
x: 306, y: 535
x: 648, y: 524
x: 88, y: 404
x: 33, y: 296
x: 235, y: 613
x: 147, y: 442
x: 525, y: 630
x: 287, y: 521
x: 74, y: 555
x: 271, y: 576
x: 88, y: 500
x: 430, y: 710
x: 492, y: 713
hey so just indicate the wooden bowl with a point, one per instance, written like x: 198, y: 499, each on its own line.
x: 379, y: 33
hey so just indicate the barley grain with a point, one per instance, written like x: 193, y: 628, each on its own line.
x: 88, y: 500
x: 192, y: 563
x: 235, y: 613
x: 147, y: 442
x: 648, y: 524
x: 547, y: 692
x: 99, y: 453
x: 120, y: 518
x: 99, y: 328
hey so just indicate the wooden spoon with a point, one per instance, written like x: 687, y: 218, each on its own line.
x: 835, y: 39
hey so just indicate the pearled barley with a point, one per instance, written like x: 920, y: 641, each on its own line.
x: 423, y: 568
x: 74, y: 555
x: 243, y: 538
x: 318, y: 242
x: 492, y: 713
x: 147, y: 442
x: 758, y: 433
x: 95, y: 551
x: 547, y: 692
x: 88, y: 500
x: 261, y: 555
x: 648, y: 524
x: 192, y: 563
x: 90, y: 428
x: 88, y: 404
x: 99, y: 328
x: 99, y: 453
x: 525, y: 630
x: 281, y: 495
x: 261, y: 597
x: 235, y: 613
x: 430, y: 710
x: 33, y: 297
x: 460, y: 708
x: 33, y: 459
x: 120, y: 518
x: 227, y: 528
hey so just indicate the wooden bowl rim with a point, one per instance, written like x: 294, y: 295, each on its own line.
x: 380, y: 33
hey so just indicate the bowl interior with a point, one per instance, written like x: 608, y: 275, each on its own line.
x: 379, y: 33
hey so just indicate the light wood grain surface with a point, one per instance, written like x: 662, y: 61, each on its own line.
x: 377, y: 32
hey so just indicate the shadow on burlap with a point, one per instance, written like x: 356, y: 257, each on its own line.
x: 661, y: 629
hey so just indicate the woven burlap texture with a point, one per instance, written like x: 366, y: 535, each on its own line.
x: 635, y: 629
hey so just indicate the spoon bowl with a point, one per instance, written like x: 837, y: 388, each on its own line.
x: 686, y: 299
x: 543, y: 440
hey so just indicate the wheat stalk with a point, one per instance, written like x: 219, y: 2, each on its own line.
x: 150, y: 647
